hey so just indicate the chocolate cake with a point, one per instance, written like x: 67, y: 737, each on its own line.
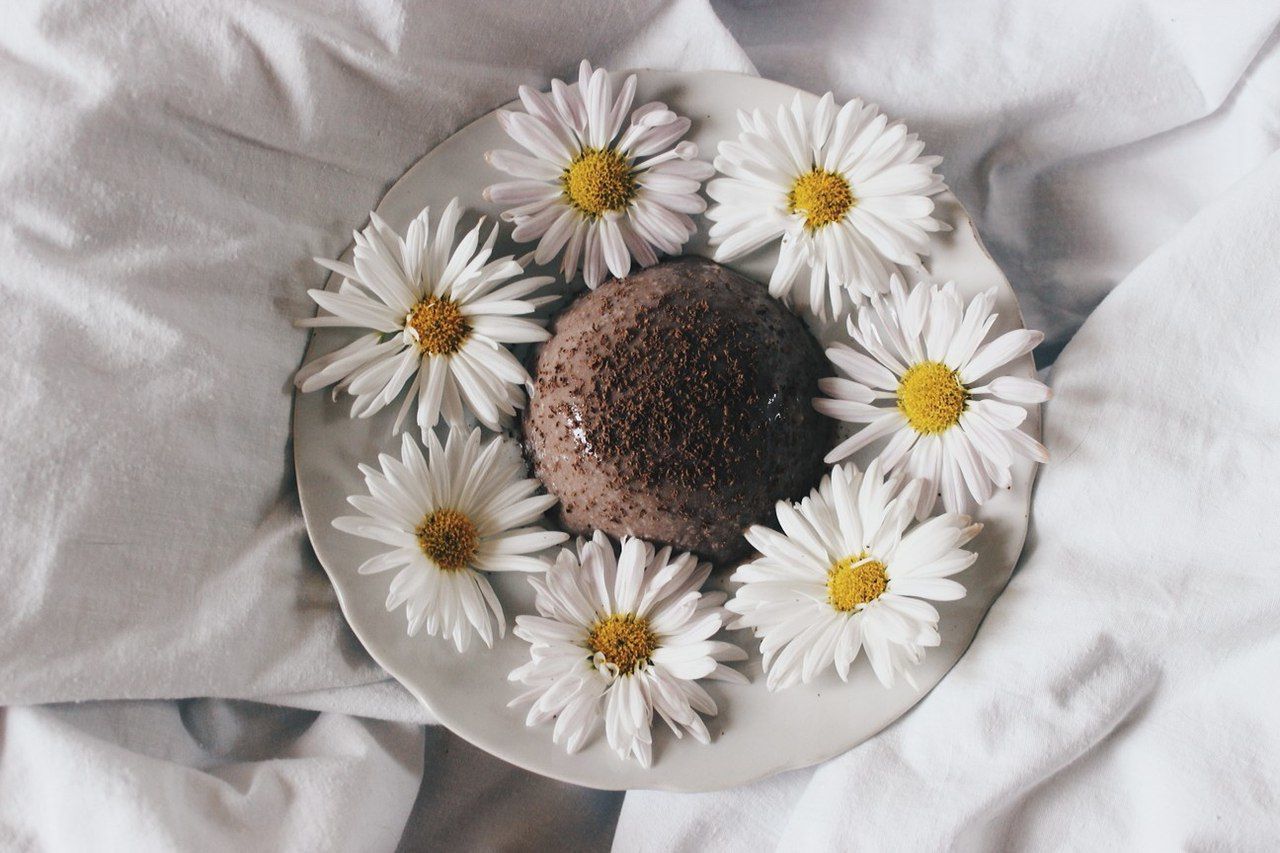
x: 675, y: 405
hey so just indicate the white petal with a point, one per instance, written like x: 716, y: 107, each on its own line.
x: 1016, y: 389
x: 876, y: 429
x: 998, y: 352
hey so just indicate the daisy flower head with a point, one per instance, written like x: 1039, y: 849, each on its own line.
x: 619, y: 636
x: 846, y: 190
x: 924, y: 378
x: 448, y: 518
x: 438, y: 318
x: 849, y: 571
x: 601, y: 184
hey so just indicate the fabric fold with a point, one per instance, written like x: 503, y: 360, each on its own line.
x: 1114, y: 694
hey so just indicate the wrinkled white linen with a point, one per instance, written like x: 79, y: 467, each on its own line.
x: 169, y: 172
x: 196, y: 776
x: 166, y: 172
x: 1121, y: 692
x: 213, y: 774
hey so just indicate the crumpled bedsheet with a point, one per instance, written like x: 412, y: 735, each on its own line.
x: 168, y: 169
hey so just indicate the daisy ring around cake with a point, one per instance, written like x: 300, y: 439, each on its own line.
x: 657, y: 418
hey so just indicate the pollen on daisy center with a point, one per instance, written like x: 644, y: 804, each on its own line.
x: 854, y: 581
x: 624, y: 640
x: 823, y: 197
x: 599, y: 180
x: 439, y: 324
x: 449, y: 539
x: 931, y: 397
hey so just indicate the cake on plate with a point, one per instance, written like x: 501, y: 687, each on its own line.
x: 675, y: 405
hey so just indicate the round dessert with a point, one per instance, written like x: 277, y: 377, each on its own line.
x: 675, y: 405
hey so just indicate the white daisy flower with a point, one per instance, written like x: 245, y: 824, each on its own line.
x: 438, y: 317
x: 598, y: 191
x: 847, y: 191
x: 917, y: 382
x: 849, y: 572
x: 464, y: 510
x: 618, y: 638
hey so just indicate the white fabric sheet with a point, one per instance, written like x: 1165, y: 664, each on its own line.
x: 1121, y: 692
x: 168, y: 169
x: 119, y: 777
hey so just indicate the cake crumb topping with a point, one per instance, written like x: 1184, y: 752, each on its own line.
x: 675, y: 405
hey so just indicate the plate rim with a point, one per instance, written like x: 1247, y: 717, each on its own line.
x: 809, y: 759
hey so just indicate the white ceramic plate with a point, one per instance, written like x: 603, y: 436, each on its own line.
x: 757, y: 733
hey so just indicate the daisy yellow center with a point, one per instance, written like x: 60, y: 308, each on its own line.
x: 855, y: 581
x: 624, y: 640
x: 599, y: 180
x: 441, y: 326
x: 449, y: 539
x: 823, y: 197
x: 931, y: 397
